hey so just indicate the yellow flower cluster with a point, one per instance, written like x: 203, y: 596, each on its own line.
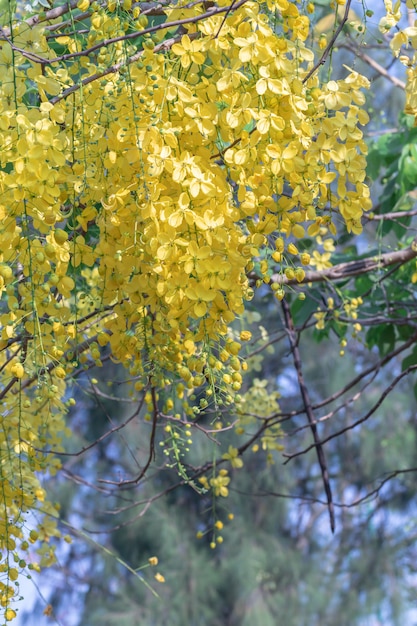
x: 403, y: 45
x: 140, y: 180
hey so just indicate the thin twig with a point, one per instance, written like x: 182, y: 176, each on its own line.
x: 375, y: 65
x: 151, y: 456
x: 352, y: 268
x: 94, y: 443
x: 340, y: 432
x: 330, y: 45
x: 292, y: 337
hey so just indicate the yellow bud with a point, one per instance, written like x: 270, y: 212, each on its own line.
x: 6, y: 271
x: 159, y: 577
x: 9, y: 615
x: 60, y: 372
x: 233, y: 347
x: 264, y: 266
x: 305, y: 258
x: 17, y: 370
x: 279, y: 244
x: 13, y: 574
x: 60, y: 236
x: 298, y: 231
x: 300, y: 274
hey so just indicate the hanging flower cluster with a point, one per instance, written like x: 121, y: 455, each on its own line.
x: 145, y: 170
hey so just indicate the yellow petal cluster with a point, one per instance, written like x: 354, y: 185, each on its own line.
x: 139, y: 183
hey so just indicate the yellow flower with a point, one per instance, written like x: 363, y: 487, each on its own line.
x: 60, y: 372
x: 233, y: 457
x: 219, y: 484
x: 321, y: 261
x: 189, y: 51
x: 305, y: 258
x: 17, y: 370
x: 159, y: 577
x: 320, y: 317
x: 10, y: 614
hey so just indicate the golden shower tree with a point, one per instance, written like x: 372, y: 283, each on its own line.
x: 160, y: 161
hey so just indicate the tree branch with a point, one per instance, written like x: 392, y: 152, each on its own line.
x: 331, y: 43
x: 309, y: 410
x: 371, y: 411
x: 352, y: 268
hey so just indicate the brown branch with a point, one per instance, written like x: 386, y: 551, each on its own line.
x: 151, y: 456
x: 375, y: 492
x: 292, y: 337
x: 232, y: 6
x: 371, y: 411
x: 331, y: 414
x: 165, y: 45
x: 342, y: 505
x: 330, y: 45
x: 67, y: 356
x: 375, y: 65
x: 411, y: 341
x: 94, y: 443
x: 130, y: 36
x: 9, y: 386
x: 44, y: 17
x: 147, y: 8
x: 390, y: 216
x: 352, y: 268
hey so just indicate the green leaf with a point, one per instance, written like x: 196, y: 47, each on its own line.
x: 411, y: 359
x: 408, y: 170
x: 374, y: 164
x: 383, y: 337
x: 302, y: 309
x: 390, y: 146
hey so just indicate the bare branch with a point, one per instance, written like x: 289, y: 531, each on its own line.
x: 374, y: 64
x: 292, y: 337
x: 352, y: 268
x: 331, y: 43
x: 371, y: 411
